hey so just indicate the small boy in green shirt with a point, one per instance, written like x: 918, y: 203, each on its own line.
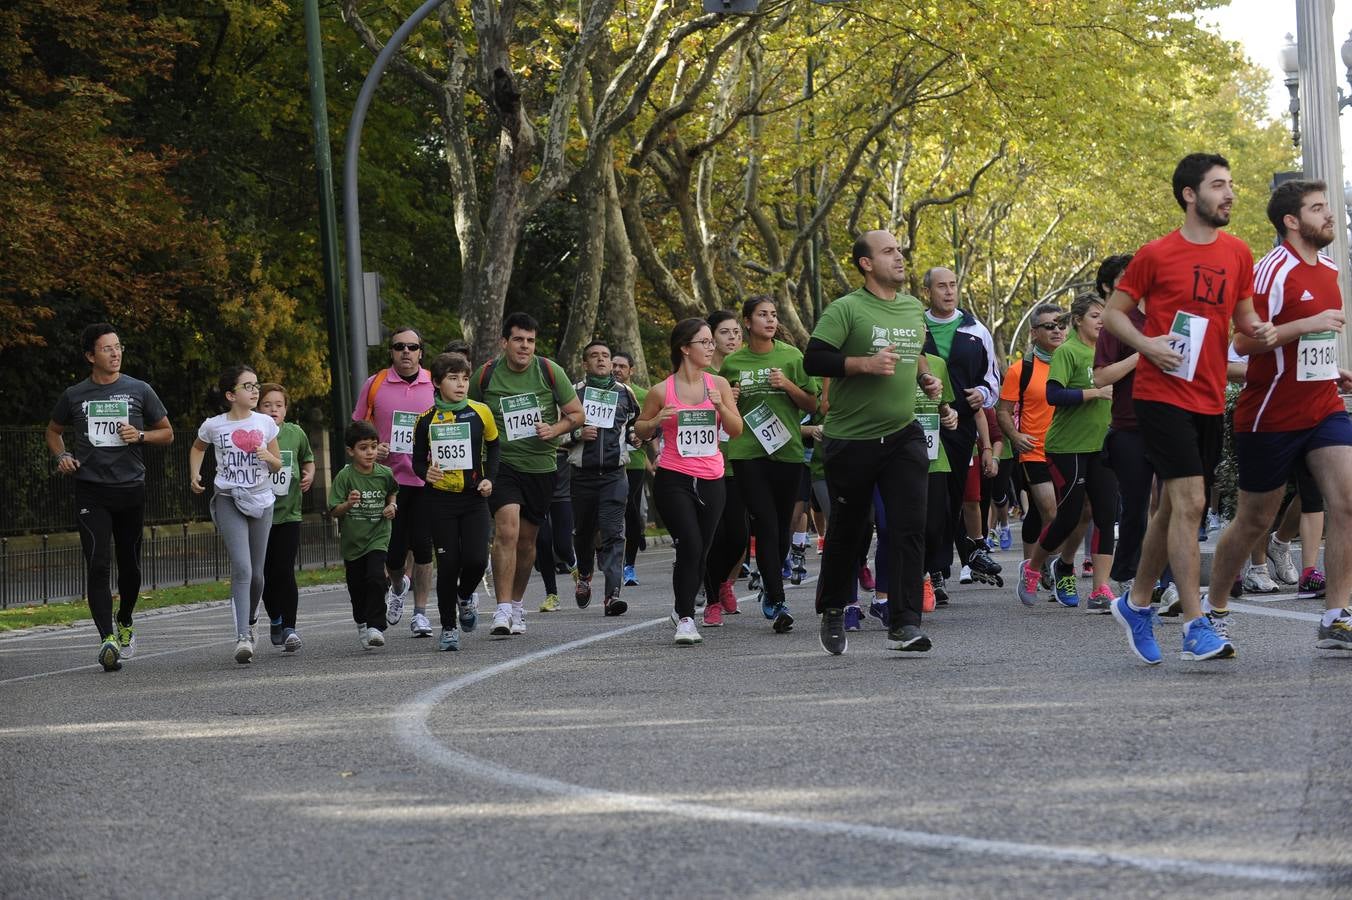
x: 363, y: 496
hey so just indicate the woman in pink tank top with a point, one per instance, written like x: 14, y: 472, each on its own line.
x: 688, y: 409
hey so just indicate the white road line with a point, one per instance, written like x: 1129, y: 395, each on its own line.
x: 410, y: 726
x: 1275, y: 613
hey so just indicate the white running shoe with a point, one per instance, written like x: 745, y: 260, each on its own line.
x: 1257, y: 581
x: 518, y: 621
x: 244, y: 649
x: 369, y: 638
x: 291, y: 643
x: 126, y: 639
x: 965, y: 575
x: 420, y: 626
x: 686, y: 633
x: 502, y: 620
x: 1283, y: 569
x: 394, y: 601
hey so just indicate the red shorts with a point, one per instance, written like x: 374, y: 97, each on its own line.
x: 972, y: 491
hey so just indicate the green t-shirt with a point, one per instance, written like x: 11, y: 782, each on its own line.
x: 750, y: 373
x: 860, y: 324
x: 924, y: 406
x: 529, y: 398
x: 1082, y: 428
x: 943, y: 332
x: 638, y: 459
x: 291, y: 439
x: 364, y: 528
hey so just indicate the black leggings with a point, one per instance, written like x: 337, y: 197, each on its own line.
x: 111, y: 517
x: 1002, y: 485
x: 1125, y: 451
x: 770, y: 489
x: 554, y: 543
x: 633, y: 516
x: 1077, y: 476
x: 690, y: 508
x: 366, y: 589
x: 729, y: 539
x: 460, y: 538
x: 936, y: 517
x: 280, y: 596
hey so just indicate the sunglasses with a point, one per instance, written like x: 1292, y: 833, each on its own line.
x: 1052, y: 326
x: 409, y: 347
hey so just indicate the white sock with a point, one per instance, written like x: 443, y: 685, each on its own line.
x: 505, y: 607
x: 1330, y: 615
x: 518, y: 606
x: 799, y: 538
x: 1206, y: 604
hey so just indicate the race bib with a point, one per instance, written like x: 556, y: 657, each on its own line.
x: 696, y: 433
x: 1185, y: 338
x: 930, y: 423
x: 451, y: 446
x: 767, y: 428
x: 281, y: 479
x: 520, y: 415
x: 599, y: 406
x: 105, y: 417
x: 401, y: 431
x: 1317, y: 357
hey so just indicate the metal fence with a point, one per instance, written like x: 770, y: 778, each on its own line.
x: 173, y: 555
x: 38, y: 501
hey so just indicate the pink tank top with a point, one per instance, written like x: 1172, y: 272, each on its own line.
x: 690, y: 438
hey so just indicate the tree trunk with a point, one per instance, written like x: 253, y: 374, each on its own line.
x: 591, y: 254
x: 621, y: 314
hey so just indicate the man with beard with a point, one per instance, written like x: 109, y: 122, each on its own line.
x: 1194, y: 281
x: 1289, y: 411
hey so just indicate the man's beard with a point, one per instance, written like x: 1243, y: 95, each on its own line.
x: 1315, y: 237
x: 1212, y: 215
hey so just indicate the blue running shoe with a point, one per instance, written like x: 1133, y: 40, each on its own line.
x: 787, y: 571
x: 468, y: 612
x: 879, y: 610
x: 854, y: 618
x: 767, y: 607
x: 630, y: 577
x: 1006, y: 538
x: 1139, y: 625
x: 1200, y: 641
x: 783, y: 621
x: 1067, y: 589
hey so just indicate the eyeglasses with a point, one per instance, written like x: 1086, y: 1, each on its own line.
x: 112, y: 348
x: 1052, y: 326
x: 247, y: 386
x: 707, y: 342
x: 409, y: 347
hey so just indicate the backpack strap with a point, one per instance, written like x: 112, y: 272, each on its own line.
x: 486, y: 374
x: 1025, y: 379
x: 376, y: 382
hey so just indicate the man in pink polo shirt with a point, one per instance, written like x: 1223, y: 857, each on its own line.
x: 392, y: 400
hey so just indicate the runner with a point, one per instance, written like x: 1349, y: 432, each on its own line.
x: 244, y: 441
x: 869, y: 344
x: 734, y: 530
x: 1075, y: 453
x: 297, y: 474
x: 1289, y: 409
x: 364, y: 498
x: 554, y: 540
x: 772, y: 392
x: 1194, y: 281
x: 637, y: 471
x: 689, y: 408
x: 392, y: 400
x: 933, y: 415
x: 600, y: 489
x: 111, y: 416
x: 533, y: 405
x: 455, y: 452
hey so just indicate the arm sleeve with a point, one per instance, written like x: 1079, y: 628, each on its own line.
x: 823, y: 359
x: 990, y: 381
x: 1060, y: 395
x: 422, y: 445
x: 491, y: 463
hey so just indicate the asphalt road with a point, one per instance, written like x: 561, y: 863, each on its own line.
x: 1029, y: 754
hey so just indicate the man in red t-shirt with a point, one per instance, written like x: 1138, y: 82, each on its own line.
x: 1194, y: 281
x: 1290, y: 410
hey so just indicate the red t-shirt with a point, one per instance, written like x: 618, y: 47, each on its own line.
x: 1287, y: 289
x: 1174, y: 275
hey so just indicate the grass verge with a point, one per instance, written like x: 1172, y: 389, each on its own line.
x: 20, y: 617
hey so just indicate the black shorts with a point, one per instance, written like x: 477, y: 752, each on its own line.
x: 1268, y: 459
x: 411, y: 529
x: 805, y: 485
x: 1035, y: 472
x: 1180, y: 443
x: 532, y: 491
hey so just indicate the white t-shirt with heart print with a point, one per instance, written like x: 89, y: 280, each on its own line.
x: 236, y: 442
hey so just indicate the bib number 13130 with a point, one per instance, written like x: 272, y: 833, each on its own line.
x: 696, y: 432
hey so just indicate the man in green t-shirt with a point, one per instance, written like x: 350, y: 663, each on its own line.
x: 869, y: 344
x: 639, y: 468
x: 533, y: 404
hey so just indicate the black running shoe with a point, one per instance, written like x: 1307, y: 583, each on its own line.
x: 908, y: 638
x: 833, y: 636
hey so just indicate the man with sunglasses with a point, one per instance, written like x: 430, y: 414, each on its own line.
x: 108, y: 418
x: 392, y: 400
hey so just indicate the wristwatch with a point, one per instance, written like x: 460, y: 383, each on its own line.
x: 142, y: 437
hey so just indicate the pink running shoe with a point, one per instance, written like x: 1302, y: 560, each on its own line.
x: 1026, y: 589
x: 728, y: 598
x: 866, y: 578
x: 713, y: 615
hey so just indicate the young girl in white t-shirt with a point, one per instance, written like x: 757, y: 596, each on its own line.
x: 246, y: 454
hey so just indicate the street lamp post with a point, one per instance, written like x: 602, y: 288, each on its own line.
x: 1320, y: 102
